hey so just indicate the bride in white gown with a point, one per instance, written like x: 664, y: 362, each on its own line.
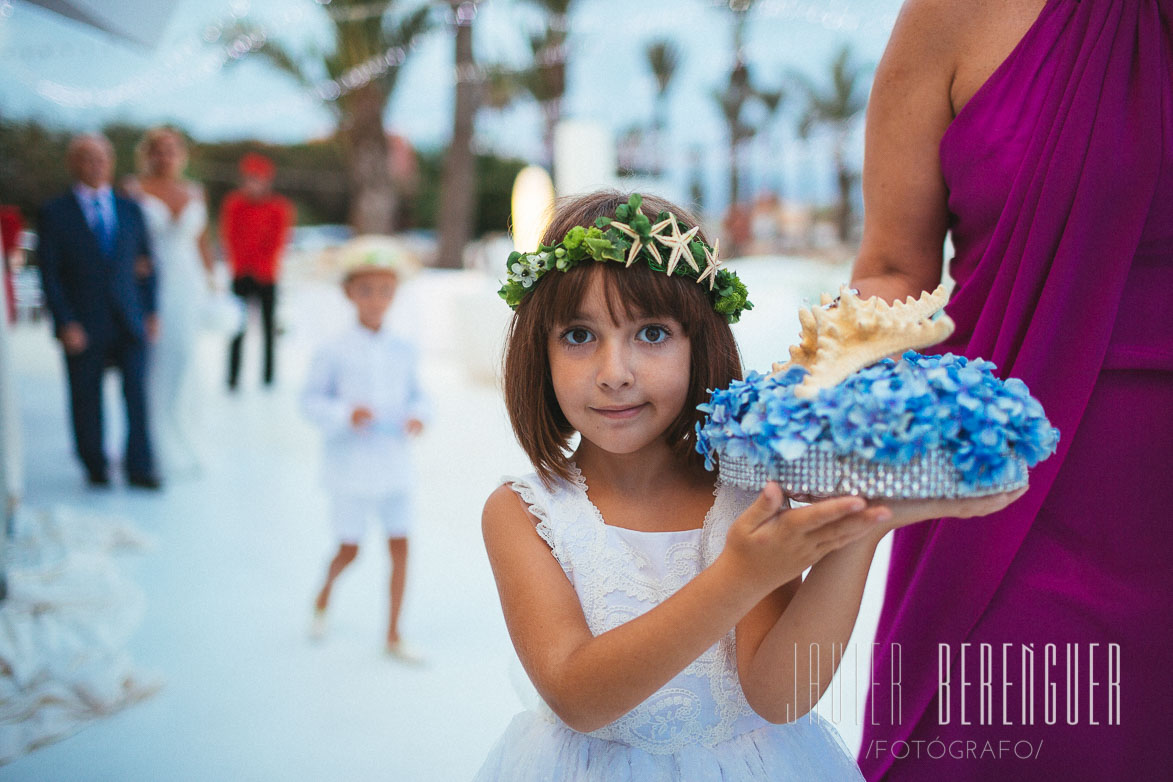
x: 177, y: 220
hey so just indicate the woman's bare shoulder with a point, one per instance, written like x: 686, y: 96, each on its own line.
x: 936, y: 25
x: 958, y: 43
x: 991, y: 32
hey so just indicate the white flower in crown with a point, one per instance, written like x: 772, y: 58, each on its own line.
x: 523, y: 273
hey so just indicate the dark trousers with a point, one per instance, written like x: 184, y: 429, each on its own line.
x: 86, y: 370
x: 266, y: 295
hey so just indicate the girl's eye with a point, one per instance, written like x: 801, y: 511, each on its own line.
x: 653, y: 334
x: 577, y: 336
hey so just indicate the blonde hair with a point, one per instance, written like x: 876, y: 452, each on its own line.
x: 151, y: 137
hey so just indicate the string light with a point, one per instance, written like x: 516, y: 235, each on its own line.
x: 176, y: 74
x: 193, y: 62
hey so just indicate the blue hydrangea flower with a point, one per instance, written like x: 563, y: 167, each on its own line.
x: 892, y: 411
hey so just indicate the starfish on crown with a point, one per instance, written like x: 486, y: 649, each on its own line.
x: 627, y: 237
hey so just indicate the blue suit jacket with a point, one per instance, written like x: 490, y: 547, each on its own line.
x: 81, y: 285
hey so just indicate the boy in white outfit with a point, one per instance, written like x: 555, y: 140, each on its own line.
x: 363, y: 392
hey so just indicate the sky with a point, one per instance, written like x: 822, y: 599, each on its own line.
x: 61, y: 72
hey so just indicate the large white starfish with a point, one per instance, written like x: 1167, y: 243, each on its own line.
x: 712, y: 264
x: 679, y: 244
x: 636, y: 241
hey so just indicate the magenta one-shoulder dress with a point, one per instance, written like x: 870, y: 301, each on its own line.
x: 1060, y: 180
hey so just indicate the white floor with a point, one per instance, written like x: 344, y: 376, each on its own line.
x: 242, y: 546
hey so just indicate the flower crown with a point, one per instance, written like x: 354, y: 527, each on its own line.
x: 629, y: 237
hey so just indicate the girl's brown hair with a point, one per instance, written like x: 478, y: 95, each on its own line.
x: 638, y: 291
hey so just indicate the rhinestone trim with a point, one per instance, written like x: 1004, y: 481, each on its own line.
x: 821, y: 473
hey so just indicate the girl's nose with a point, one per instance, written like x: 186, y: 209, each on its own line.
x: 614, y: 366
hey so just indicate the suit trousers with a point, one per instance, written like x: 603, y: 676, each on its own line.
x: 128, y: 355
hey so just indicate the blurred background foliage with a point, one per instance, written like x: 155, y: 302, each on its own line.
x: 32, y: 170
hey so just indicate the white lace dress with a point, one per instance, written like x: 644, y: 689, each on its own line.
x: 698, y: 726
x: 182, y: 301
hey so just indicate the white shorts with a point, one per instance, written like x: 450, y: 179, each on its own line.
x: 351, y: 515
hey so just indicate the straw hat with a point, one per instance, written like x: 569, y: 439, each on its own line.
x: 376, y: 253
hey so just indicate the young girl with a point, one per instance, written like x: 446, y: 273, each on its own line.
x: 660, y: 613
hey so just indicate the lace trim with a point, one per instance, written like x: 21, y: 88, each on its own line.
x: 580, y: 482
x: 532, y: 497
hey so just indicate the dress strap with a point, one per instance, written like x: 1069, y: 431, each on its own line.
x: 537, y: 501
x: 550, y: 506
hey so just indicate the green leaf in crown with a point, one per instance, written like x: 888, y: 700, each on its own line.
x: 630, y: 237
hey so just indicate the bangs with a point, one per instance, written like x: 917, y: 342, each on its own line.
x: 630, y: 293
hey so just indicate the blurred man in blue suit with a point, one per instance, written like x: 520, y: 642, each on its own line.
x: 99, y: 284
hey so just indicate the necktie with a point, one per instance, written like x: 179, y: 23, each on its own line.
x: 102, y: 229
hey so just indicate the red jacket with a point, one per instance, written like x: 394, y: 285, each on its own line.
x: 254, y: 234
x: 10, y: 228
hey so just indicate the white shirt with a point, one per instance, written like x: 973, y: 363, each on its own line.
x: 376, y: 370
x: 104, y: 196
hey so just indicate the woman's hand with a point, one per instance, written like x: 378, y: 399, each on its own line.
x: 905, y: 512
x: 771, y: 543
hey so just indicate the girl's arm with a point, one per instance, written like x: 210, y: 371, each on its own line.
x: 790, y: 645
x: 591, y: 681
x: 904, y: 193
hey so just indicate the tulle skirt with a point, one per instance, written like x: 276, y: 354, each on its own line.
x: 537, y: 748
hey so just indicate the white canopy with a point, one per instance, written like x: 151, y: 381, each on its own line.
x: 138, y: 21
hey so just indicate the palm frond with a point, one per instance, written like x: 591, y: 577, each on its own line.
x: 837, y: 103
x: 663, y: 58
x: 274, y: 52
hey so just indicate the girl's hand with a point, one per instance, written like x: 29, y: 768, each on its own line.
x: 771, y: 544
x: 905, y: 512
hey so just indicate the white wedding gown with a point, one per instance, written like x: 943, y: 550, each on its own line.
x: 182, y: 293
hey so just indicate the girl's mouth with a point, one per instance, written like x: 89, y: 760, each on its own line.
x: 620, y: 413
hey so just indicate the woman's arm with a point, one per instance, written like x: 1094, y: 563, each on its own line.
x: 204, y: 241
x: 590, y: 681
x: 206, y: 255
x: 904, y: 194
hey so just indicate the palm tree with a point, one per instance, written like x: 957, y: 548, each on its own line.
x: 545, y: 79
x: 370, y: 45
x: 836, y: 107
x: 663, y: 58
x: 458, y: 186
x: 733, y: 101
x: 738, y: 95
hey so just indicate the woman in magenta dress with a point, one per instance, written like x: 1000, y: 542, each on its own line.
x: 1039, y: 133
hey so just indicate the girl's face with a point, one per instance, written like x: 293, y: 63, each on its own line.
x: 620, y: 385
